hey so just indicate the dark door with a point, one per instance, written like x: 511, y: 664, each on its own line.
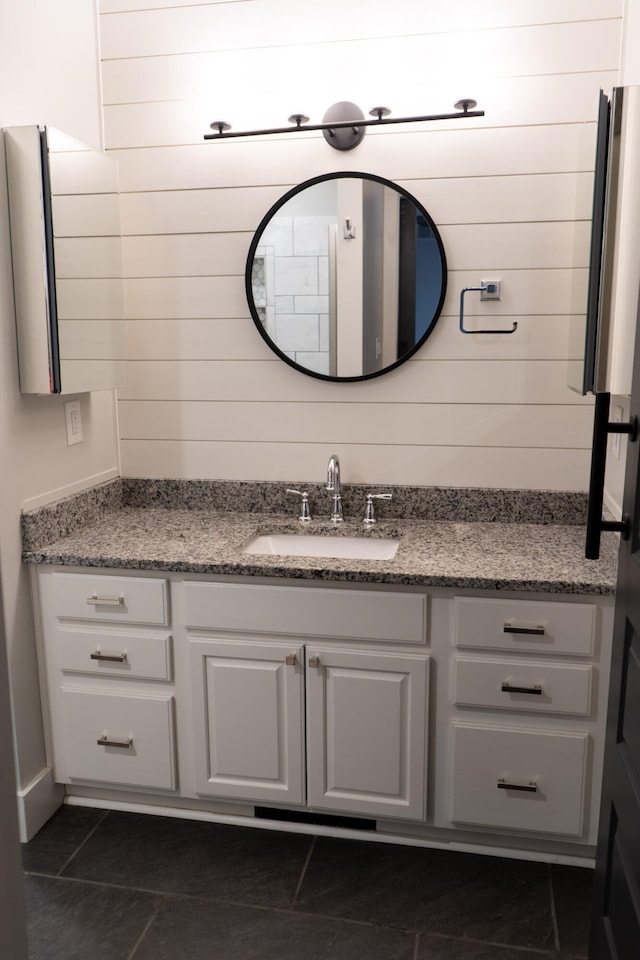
x: 615, y: 932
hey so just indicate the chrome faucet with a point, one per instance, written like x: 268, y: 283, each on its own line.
x: 333, y: 485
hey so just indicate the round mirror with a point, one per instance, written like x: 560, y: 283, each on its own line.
x: 346, y: 276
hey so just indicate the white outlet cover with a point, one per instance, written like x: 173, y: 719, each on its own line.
x: 73, y: 421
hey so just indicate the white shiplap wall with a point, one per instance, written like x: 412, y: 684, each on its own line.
x: 511, y: 193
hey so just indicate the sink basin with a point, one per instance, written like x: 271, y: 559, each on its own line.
x: 308, y: 545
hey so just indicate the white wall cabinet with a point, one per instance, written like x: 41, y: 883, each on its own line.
x: 67, y: 267
x: 476, y: 720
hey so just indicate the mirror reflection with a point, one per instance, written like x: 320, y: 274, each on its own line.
x: 346, y: 276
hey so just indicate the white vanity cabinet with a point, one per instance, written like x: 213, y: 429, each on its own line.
x: 364, y: 707
x: 525, y: 738
x: 467, y: 717
x: 107, y: 662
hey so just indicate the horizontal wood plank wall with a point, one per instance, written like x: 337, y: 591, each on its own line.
x: 510, y: 192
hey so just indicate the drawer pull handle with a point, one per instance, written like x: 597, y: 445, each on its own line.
x: 508, y: 687
x: 537, y: 630
x: 530, y: 787
x: 314, y: 661
x: 290, y: 659
x: 111, y: 657
x: 105, y: 741
x: 106, y: 601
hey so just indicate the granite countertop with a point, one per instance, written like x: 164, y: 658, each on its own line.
x: 147, y: 533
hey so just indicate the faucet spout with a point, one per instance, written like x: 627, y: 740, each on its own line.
x: 333, y: 474
x: 333, y: 485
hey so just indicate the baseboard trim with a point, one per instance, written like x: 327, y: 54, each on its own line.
x: 37, y: 802
x: 319, y: 830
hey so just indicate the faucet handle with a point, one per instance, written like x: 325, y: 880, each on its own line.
x: 305, y: 513
x: 369, y: 511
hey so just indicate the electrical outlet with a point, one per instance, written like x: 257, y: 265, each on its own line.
x: 73, y: 420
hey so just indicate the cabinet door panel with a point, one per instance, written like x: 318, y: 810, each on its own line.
x: 78, y: 596
x: 525, y: 625
x: 248, y: 720
x: 523, y: 685
x: 136, y: 737
x: 366, y: 732
x: 518, y: 778
x: 117, y: 654
x: 305, y: 611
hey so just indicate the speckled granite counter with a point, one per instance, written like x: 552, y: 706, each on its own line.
x: 182, y: 527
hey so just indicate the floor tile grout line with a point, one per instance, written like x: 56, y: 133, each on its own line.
x: 416, y: 946
x: 86, y: 839
x: 554, y: 916
x: 303, y: 873
x: 165, y: 896
x: 147, y: 927
x: 513, y: 947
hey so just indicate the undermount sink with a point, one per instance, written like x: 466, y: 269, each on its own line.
x: 308, y: 545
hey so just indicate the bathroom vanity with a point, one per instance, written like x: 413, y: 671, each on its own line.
x: 454, y: 695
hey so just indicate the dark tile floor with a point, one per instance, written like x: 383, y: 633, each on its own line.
x: 120, y: 886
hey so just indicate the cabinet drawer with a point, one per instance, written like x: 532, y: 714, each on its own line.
x: 518, y: 779
x: 523, y: 685
x: 138, y: 734
x: 342, y: 614
x: 117, y: 654
x: 532, y: 626
x: 118, y: 599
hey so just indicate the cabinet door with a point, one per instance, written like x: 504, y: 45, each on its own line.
x: 366, y: 732
x: 115, y: 738
x: 248, y: 720
x: 519, y: 778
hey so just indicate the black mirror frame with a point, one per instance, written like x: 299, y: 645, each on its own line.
x: 258, y: 236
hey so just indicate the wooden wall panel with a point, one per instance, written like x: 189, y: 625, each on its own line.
x: 294, y: 463
x: 539, y: 338
x: 416, y: 156
x: 473, y: 425
x: 493, y: 13
x: 511, y: 193
x: 535, y: 198
x: 269, y: 23
x: 418, y: 381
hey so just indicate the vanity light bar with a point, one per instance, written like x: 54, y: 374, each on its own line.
x: 346, y: 117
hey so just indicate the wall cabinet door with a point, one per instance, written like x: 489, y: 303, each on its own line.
x: 248, y: 720
x: 67, y: 270
x: 366, y: 732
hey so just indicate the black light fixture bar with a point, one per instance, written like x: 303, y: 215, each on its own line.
x: 463, y: 109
